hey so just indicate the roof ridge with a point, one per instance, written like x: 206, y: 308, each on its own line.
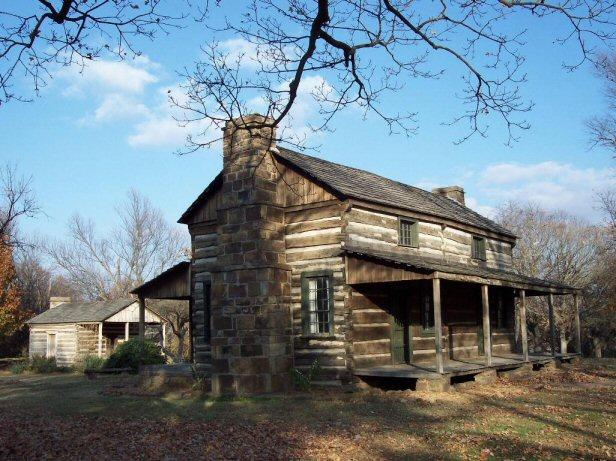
x: 436, y: 199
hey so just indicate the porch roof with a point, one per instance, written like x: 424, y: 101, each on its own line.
x: 174, y: 283
x: 432, y: 267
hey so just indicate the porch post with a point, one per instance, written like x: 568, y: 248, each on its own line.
x: 141, y: 319
x: 126, y: 331
x: 164, y: 335
x: 523, y: 332
x: 578, y: 328
x: 552, y: 324
x: 100, y: 339
x: 487, y: 337
x: 438, y: 329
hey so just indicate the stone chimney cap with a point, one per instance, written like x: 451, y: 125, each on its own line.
x: 55, y: 301
x: 455, y: 193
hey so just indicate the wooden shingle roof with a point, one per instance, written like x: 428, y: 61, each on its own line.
x: 351, y: 182
x: 76, y: 312
x: 430, y: 265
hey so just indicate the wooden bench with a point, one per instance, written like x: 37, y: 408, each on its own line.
x: 91, y: 373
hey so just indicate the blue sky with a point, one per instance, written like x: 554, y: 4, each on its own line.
x: 90, y: 137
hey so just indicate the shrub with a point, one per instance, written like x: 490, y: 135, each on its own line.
x: 19, y: 367
x: 303, y: 382
x: 133, y: 353
x: 93, y: 362
x: 40, y: 364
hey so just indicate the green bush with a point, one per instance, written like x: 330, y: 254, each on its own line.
x: 40, y: 364
x: 19, y: 367
x: 133, y: 353
x: 303, y: 382
x: 93, y: 362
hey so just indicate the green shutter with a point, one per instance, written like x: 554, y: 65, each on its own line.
x: 415, y: 235
x: 305, y: 307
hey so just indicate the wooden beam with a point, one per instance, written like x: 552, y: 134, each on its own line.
x: 552, y: 324
x: 100, y: 339
x: 141, y: 319
x: 438, y: 328
x: 523, y: 332
x: 164, y: 335
x: 578, y: 326
x: 487, y: 337
x: 126, y: 331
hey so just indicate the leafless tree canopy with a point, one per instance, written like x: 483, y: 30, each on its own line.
x: 560, y: 247
x: 367, y: 50
x: 142, y: 245
x: 16, y: 200
x: 603, y: 128
x: 36, y: 35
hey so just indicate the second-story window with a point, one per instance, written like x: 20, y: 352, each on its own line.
x: 478, y: 249
x: 408, y: 233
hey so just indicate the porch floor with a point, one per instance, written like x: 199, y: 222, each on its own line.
x: 459, y: 367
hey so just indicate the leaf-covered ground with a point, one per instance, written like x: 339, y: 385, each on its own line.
x: 564, y: 414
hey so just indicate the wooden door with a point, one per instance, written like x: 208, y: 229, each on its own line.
x: 401, y: 336
x: 51, y: 345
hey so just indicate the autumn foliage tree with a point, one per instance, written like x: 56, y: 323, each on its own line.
x: 12, y: 316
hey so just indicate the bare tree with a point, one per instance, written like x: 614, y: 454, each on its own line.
x: 366, y: 50
x: 553, y: 246
x: 16, y: 200
x: 142, y: 245
x: 176, y: 314
x: 603, y: 128
x: 38, y: 35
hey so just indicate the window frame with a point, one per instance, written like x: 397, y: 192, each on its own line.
x: 305, y: 303
x: 479, y: 254
x: 414, y: 234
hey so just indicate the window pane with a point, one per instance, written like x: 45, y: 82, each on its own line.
x: 318, y: 304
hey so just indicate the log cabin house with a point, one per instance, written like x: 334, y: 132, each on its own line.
x: 70, y: 331
x: 297, y: 259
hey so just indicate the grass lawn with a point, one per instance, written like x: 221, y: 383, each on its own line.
x: 565, y: 414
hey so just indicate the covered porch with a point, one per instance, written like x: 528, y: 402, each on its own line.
x: 469, y: 309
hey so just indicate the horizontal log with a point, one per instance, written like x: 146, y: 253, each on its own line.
x: 314, y: 240
x: 323, y: 223
x: 366, y: 361
x: 311, y: 214
x: 369, y: 316
x: 371, y: 332
x: 377, y: 347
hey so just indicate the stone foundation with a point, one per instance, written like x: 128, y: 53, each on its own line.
x: 486, y: 377
x: 441, y: 384
x: 166, y: 378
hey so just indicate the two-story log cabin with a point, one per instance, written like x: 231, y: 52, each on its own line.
x: 297, y: 259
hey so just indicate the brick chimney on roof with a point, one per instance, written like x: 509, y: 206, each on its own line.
x: 55, y: 301
x: 455, y: 193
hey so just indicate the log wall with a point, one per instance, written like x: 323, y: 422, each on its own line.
x: 380, y: 230
x: 205, y: 255
x: 66, y: 342
x: 313, y: 242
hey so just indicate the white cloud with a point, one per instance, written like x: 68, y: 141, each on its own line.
x: 118, y: 76
x: 551, y: 185
x: 158, y: 132
x: 239, y: 50
x: 116, y: 107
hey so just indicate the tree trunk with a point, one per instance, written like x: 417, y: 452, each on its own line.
x: 597, y: 347
x: 180, y: 354
x: 563, y: 342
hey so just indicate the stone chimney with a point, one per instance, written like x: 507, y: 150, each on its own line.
x: 455, y: 193
x: 250, y: 306
x: 55, y: 301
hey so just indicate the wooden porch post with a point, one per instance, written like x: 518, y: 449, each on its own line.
x: 438, y: 329
x: 552, y: 324
x: 164, y: 335
x: 100, y: 339
x: 487, y: 337
x: 523, y: 332
x: 141, y: 319
x: 126, y: 331
x: 578, y: 327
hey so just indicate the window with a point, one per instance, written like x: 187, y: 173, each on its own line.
x: 317, y: 303
x: 479, y: 248
x: 498, y: 311
x: 427, y: 313
x: 408, y: 233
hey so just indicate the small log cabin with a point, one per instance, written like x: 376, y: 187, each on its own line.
x: 70, y: 331
x: 297, y: 259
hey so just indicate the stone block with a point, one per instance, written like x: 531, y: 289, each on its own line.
x: 519, y: 372
x: 486, y: 377
x: 440, y: 384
